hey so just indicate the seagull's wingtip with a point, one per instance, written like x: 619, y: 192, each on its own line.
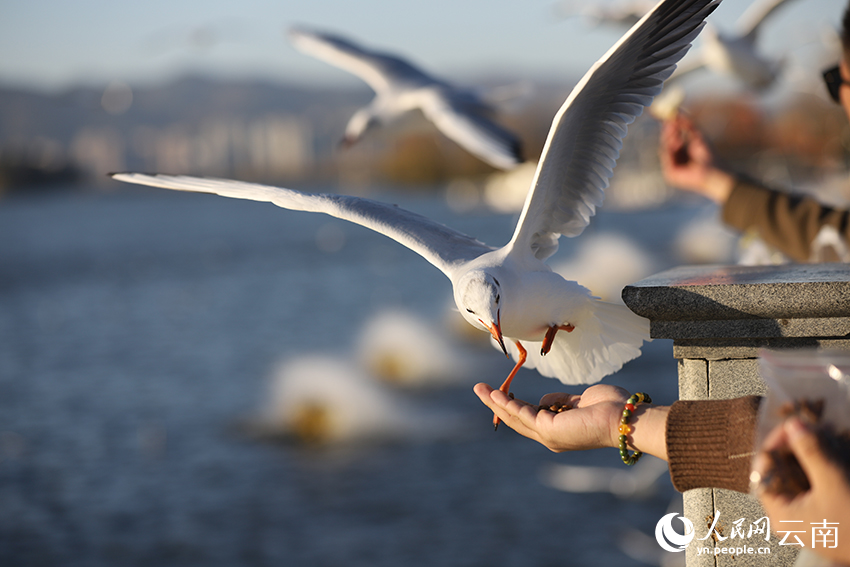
x: 519, y: 152
x: 117, y: 174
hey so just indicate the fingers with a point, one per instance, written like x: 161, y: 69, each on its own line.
x: 761, y: 463
x: 482, y: 390
x: 777, y: 438
x: 512, y: 407
x: 820, y: 470
x: 671, y: 138
x: 678, y: 131
x: 497, y: 400
x: 517, y: 414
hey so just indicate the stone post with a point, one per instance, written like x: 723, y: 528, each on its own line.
x: 719, y: 317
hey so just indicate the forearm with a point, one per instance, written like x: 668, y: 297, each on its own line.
x: 648, y: 424
x: 648, y: 435
x: 787, y: 222
x: 718, y: 185
x: 710, y: 442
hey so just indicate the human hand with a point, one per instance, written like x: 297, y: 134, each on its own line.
x: 591, y: 423
x: 828, y: 498
x: 687, y: 161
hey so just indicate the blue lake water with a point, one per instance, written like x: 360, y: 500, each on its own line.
x: 136, y: 330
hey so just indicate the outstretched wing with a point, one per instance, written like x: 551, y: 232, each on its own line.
x: 586, y: 136
x: 378, y: 70
x: 754, y: 16
x: 442, y: 246
x: 466, y: 123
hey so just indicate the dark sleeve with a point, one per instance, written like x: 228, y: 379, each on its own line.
x: 787, y: 222
x: 710, y: 443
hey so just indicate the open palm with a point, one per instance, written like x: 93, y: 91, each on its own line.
x: 590, y: 423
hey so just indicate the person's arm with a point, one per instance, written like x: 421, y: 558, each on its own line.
x: 790, y: 223
x: 592, y: 422
x: 710, y: 443
x: 706, y: 442
x: 688, y: 161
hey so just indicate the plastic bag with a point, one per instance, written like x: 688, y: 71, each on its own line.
x: 815, y: 386
x: 812, y: 384
x: 805, y: 374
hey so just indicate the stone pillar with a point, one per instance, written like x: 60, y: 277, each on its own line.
x: 719, y: 317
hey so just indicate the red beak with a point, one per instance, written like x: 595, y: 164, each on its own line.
x: 496, y: 332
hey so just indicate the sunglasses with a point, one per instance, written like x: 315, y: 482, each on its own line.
x: 833, y: 80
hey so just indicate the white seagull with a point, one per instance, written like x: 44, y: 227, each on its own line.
x: 734, y: 53
x: 552, y: 324
x: 400, y: 87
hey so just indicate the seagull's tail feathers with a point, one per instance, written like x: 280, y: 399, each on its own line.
x: 601, y: 343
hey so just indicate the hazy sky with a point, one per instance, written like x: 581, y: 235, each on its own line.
x: 52, y: 44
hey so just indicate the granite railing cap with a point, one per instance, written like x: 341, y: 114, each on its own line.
x: 784, y: 293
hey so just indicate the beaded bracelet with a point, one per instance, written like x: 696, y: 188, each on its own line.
x: 625, y: 428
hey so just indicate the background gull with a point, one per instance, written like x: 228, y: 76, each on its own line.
x: 625, y: 13
x: 401, y: 87
x: 624, y: 483
x: 734, y: 53
x: 511, y: 292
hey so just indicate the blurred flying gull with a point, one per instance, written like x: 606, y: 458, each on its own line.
x: 618, y: 481
x: 511, y: 292
x: 400, y: 87
x: 624, y: 13
x: 734, y: 53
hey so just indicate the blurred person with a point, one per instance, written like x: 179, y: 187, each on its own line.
x: 795, y: 225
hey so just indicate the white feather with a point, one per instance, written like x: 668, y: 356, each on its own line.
x: 510, y: 290
x: 400, y: 87
x: 734, y: 53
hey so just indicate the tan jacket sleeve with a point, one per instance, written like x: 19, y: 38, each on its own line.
x: 787, y: 222
x: 710, y: 443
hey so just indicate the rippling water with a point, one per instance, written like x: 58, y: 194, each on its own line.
x: 137, y: 329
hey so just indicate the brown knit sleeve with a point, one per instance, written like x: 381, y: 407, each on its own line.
x: 710, y: 443
x: 787, y: 222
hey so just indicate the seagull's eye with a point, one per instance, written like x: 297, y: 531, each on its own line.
x: 468, y: 310
x: 497, y: 298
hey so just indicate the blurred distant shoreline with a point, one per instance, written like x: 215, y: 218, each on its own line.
x: 289, y: 134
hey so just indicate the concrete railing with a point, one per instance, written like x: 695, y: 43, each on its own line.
x: 719, y: 317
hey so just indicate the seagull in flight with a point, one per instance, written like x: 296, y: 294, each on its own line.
x: 625, y: 13
x: 542, y: 319
x: 734, y: 53
x: 400, y: 87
